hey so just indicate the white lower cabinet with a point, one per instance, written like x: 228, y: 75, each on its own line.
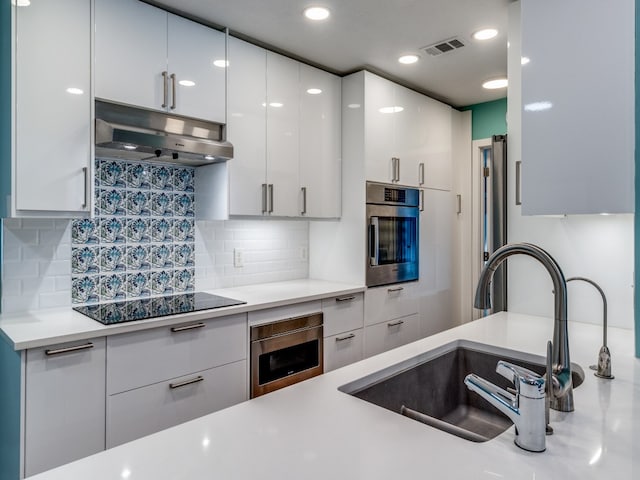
x: 389, y: 302
x: 343, y: 349
x: 390, y: 334
x: 342, y: 326
x: 64, y: 404
x: 143, y: 411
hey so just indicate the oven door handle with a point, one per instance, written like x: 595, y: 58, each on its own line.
x: 374, y: 241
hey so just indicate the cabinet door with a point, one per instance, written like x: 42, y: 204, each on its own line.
x: 199, y: 83
x: 246, y: 127
x: 391, y: 334
x: 342, y: 313
x: 437, y: 153
x: 53, y: 106
x: 65, y: 404
x: 147, y: 410
x: 282, y: 135
x: 320, y: 147
x: 342, y: 349
x: 393, y: 301
x: 380, y: 112
x: 131, y: 53
x: 410, y: 134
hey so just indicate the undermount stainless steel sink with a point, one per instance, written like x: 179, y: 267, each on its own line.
x: 430, y: 387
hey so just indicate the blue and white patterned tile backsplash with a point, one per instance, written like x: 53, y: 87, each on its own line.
x: 142, y: 239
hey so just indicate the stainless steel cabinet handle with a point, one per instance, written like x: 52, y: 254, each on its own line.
x: 374, y: 239
x: 184, y: 328
x: 459, y: 206
x: 395, y: 324
x: 75, y: 348
x: 173, y: 91
x: 346, y: 337
x: 519, y: 182
x: 271, y: 198
x: 421, y: 174
x: 85, y: 172
x: 421, y: 201
x: 397, y: 289
x: 345, y: 299
x: 304, y: 200
x: 165, y: 81
x: 395, y: 166
x: 197, y: 379
x: 264, y: 198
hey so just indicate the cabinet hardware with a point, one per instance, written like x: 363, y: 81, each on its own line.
x: 197, y: 379
x: 395, y: 169
x: 264, y: 198
x: 421, y: 200
x: 345, y: 299
x: 459, y: 204
x: 165, y: 81
x: 421, y: 174
x: 346, y: 337
x: 397, y: 289
x: 270, y: 198
x: 85, y: 172
x: 75, y: 348
x: 304, y: 200
x: 187, y: 327
x: 395, y: 324
x: 173, y: 91
x: 519, y: 182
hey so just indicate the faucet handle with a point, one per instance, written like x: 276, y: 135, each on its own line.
x: 528, y: 384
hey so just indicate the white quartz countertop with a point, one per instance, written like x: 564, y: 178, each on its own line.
x: 313, y: 431
x: 47, y: 327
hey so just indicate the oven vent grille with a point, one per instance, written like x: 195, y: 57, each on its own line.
x: 397, y: 195
x: 444, y: 46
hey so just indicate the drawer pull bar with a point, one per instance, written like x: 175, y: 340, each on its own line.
x: 395, y: 324
x: 187, y: 327
x: 397, y: 289
x: 75, y: 348
x: 346, y: 337
x: 345, y: 299
x: 197, y: 379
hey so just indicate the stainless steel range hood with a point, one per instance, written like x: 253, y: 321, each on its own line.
x: 135, y: 133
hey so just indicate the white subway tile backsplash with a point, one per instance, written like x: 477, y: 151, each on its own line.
x: 20, y: 269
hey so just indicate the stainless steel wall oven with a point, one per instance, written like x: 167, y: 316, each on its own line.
x: 285, y: 352
x: 392, y: 219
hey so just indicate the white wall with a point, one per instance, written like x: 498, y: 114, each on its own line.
x: 36, y: 260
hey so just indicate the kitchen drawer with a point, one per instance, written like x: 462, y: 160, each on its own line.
x: 142, y: 358
x: 275, y: 314
x: 391, y: 334
x: 342, y: 349
x: 391, y: 301
x: 343, y: 313
x: 146, y: 410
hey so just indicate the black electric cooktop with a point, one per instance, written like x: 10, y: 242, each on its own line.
x: 141, y: 309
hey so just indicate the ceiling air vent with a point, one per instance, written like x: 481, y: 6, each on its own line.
x: 444, y: 46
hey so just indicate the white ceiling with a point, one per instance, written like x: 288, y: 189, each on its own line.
x: 372, y: 34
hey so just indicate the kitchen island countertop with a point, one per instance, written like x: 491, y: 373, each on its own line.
x: 313, y: 431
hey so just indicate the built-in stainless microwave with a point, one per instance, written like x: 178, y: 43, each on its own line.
x: 392, y: 221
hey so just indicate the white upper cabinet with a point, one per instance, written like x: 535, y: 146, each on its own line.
x: 320, y: 155
x: 283, y: 106
x: 577, y: 105
x: 147, y: 57
x: 286, y: 145
x: 52, y: 151
x: 408, y: 136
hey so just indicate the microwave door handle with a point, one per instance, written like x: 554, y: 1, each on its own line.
x: 374, y: 241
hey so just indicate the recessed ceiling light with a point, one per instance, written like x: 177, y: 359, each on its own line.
x: 221, y: 63
x: 524, y: 60
x: 316, y: 13
x: 187, y: 83
x: 394, y: 109
x: 130, y: 147
x: 485, y: 34
x: 209, y: 157
x: 314, y: 91
x: 408, y: 59
x: 75, y: 91
x: 495, y: 83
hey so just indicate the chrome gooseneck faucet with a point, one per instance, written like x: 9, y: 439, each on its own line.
x: 603, y: 369
x: 561, y: 383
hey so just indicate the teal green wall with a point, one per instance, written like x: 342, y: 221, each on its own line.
x: 637, y: 183
x: 9, y: 411
x: 487, y: 119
